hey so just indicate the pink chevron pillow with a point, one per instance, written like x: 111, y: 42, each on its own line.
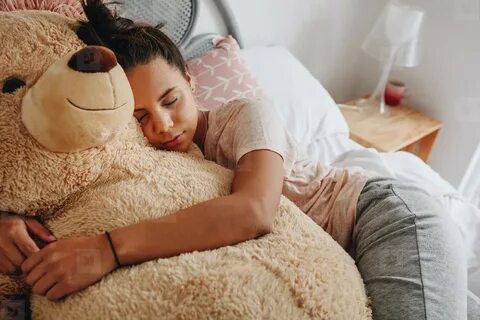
x: 69, y: 8
x: 222, y: 75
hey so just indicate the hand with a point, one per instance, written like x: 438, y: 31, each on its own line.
x: 16, y: 243
x: 67, y: 266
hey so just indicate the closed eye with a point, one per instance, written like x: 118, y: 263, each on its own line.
x: 172, y: 102
x: 141, y: 116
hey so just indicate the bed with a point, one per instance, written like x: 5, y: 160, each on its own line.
x: 327, y: 135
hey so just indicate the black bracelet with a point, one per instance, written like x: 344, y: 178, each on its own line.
x: 113, y: 249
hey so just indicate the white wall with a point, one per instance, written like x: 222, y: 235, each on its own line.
x: 317, y: 32
x: 446, y: 85
x: 326, y: 36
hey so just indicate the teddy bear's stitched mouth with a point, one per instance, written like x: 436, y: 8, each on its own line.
x: 99, y: 109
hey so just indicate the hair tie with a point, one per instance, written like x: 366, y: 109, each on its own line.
x: 113, y: 250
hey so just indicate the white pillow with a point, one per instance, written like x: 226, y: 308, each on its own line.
x: 307, y: 109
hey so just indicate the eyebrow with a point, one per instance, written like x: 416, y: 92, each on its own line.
x: 161, y: 97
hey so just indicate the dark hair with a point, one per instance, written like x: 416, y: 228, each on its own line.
x: 132, y: 43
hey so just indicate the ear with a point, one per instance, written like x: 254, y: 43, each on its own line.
x: 190, y: 80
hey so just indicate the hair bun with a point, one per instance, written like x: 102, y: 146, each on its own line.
x: 102, y: 24
x: 132, y: 42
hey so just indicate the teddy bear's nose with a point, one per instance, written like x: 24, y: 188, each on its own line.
x: 93, y: 59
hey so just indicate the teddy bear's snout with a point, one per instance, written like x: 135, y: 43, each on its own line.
x: 54, y: 109
x: 93, y: 59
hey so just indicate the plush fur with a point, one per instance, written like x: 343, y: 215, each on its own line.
x: 295, y: 272
x: 69, y: 8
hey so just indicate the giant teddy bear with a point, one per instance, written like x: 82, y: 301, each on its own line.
x: 86, y: 169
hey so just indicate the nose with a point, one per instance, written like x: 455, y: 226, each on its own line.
x: 162, y: 122
x: 93, y: 59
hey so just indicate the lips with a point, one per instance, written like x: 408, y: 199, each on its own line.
x: 172, y: 143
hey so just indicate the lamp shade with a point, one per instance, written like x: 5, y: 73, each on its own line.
x: 397, y: 29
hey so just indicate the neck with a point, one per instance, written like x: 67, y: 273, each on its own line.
x: 201, y: 131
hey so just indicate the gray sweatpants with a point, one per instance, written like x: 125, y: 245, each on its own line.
x: 410, y: 255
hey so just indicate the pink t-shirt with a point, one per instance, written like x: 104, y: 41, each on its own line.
x: 326, y: 194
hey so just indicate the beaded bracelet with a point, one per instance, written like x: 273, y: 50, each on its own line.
x: 113, y: 249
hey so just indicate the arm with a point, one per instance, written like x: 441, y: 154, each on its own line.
x: 245, y: 214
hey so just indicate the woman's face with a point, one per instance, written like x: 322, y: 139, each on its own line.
x: 164, y: 104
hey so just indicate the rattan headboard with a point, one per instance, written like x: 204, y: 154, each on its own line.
x: 179, y: 18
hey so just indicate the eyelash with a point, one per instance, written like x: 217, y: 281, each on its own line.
x: 142, y: 117
x: 166, y: 104
x: 172, y: 102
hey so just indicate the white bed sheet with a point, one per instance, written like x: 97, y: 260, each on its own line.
x: 310, y: 114
x: 408, y: 168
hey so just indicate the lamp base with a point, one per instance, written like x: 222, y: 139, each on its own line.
x: 367, y: 105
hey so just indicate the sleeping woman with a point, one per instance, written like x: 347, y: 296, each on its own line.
x: 402, y: 240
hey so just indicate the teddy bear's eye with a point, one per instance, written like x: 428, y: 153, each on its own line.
x: 12, y: 84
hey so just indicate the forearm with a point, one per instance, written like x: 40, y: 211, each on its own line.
x: 207, y: 225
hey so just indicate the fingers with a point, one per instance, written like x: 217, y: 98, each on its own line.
x: 58, y: 291
x: 10, y: 228
x: 36, y: 274
x: 31, y: 262
x: 6, y: 266
x: 26, y: 245
x: 14, y: 255
x: 39, y: 230
x: 44, y: 284
x: 15, y: 242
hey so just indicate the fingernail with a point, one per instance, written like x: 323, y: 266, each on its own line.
x: 51, y: 237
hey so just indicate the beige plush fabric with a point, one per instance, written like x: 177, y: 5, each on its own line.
x: 69, y: 8
x: 296, y: 272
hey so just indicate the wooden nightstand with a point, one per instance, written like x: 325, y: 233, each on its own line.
x: 400, y: 128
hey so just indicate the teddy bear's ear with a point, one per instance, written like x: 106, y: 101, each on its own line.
x: 69, y: 8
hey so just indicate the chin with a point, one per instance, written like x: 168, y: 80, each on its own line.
x: 181, y: 148
x: 184, y: 147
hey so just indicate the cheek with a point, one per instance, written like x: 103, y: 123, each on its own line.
x: 188, y: 113
x: 148, y: 132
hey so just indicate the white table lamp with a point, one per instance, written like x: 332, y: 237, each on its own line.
x: 393, y: 41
